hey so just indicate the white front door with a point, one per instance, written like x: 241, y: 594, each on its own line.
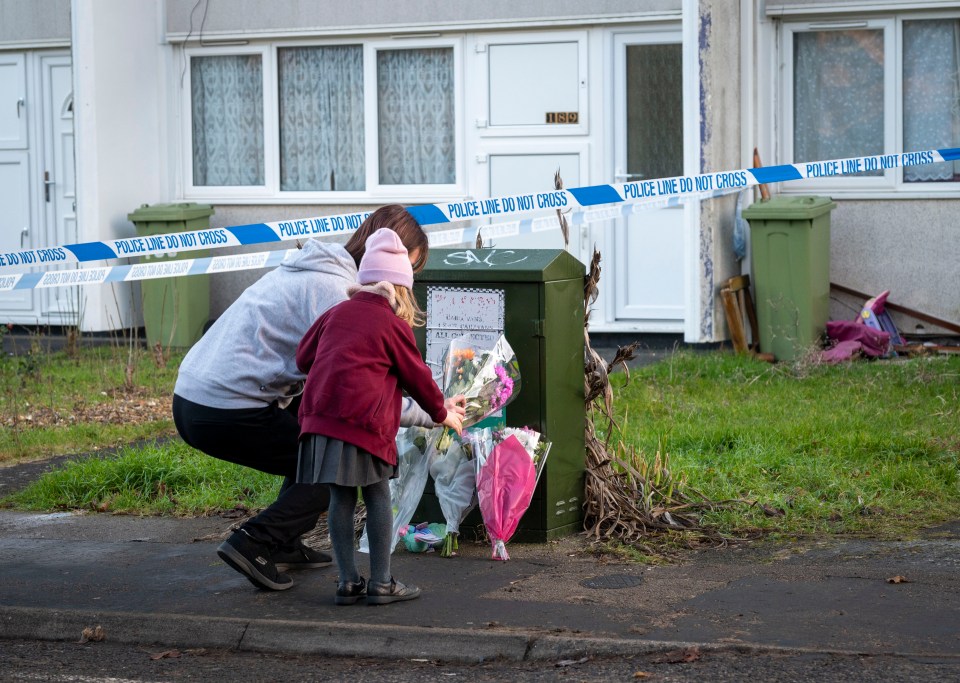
x: 37, y: 188
x: 649, y: 247
x: 14, y: 176
x: 59, y: 305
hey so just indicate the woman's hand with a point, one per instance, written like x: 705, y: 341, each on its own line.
x: 454, y: 421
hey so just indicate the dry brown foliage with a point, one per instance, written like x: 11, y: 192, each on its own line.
x: 628, y: 498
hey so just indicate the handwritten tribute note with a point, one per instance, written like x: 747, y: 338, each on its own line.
x: 453, y: 312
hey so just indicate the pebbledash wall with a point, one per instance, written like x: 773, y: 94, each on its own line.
x: 720, y: 77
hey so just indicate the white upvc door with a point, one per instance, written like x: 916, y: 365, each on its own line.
x: 15, y: 188
x: 59, y: 305
x: 649, y: 247
x: 37, y: 177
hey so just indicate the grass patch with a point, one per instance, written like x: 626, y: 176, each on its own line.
x: 52, y: 403
x: 869, y: 447
x: 858, y: 448
x: 171, y: 478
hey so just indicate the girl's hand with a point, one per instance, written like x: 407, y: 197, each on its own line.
x: 457, y: 404
x: 454, y: 421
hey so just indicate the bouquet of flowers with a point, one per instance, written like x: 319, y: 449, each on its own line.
x: 455, y: 482
x: 489, y: 378
x: 509, y: 464
x: 407, y: 488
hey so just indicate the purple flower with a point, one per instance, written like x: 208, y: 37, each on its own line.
x: 504, y: 390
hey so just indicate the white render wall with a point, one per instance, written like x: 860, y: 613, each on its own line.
x: 121, y: 142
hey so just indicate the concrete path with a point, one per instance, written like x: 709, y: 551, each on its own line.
x: 159, y: 581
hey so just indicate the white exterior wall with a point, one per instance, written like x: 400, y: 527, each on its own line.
x: 130, y: 127
x: 119, y: 64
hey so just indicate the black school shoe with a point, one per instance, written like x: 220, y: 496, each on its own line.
x: 252, y: 560
x: 385, y: 593
x: 301, y: 556
x: 348, y: 592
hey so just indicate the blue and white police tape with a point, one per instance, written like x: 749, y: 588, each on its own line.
x: 638, y: 192
x: 270, y: 259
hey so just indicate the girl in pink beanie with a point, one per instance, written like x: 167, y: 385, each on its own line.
x: 358, y: 357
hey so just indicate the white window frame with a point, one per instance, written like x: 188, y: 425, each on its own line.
x: 371, y: 122
x: 891, y: 183
x: 270, y: 190
x: 270, y: 123
x: 482, y: 47
x: 306, y: 196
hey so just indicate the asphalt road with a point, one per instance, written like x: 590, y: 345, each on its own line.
x: 91, y: 662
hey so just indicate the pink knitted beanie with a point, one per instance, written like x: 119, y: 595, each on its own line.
x: 385, y: 259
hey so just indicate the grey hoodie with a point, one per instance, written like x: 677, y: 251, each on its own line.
x: 247, y: 357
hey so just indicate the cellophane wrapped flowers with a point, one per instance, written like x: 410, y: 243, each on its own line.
x: 509, y: 463
x: 406, y: 490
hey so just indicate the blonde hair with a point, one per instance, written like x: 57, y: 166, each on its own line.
x: 407, y: 308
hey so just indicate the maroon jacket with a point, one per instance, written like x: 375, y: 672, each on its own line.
x: 358, y: 356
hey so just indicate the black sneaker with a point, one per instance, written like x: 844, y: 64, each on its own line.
x: 301, y: 556
x: 348, y: 592
x: 252, y: 560
x: 385, y: 593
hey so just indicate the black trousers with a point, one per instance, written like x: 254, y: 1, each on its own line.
x: 264, y: 439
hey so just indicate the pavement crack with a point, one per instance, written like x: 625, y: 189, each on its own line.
x: 243, y: 635
x: 531, y: 642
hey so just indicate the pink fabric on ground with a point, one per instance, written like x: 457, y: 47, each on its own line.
x: 853, y: 339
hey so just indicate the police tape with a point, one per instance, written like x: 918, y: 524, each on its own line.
x: 208, y: 265
x: 639, y: 192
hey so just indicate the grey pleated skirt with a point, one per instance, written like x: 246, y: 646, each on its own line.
x: 323, y: 460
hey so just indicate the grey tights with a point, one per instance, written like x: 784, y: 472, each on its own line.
x: 343, y: 504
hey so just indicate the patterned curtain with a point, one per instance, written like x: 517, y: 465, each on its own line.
x: 227, y: 100
x: 416, y: 116
x: 321, y: 118
x: 838, y: 95
x: 931, y: 94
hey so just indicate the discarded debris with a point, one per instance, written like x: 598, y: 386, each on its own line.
x: 572, y: 662
x: 690, y: 654
x: 166, y: 654
x: 92, y: 635
x: 898, y: 579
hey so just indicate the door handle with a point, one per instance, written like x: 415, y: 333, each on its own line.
x: 23, y: 233
x: 20, y: 104
x: 46, y: 186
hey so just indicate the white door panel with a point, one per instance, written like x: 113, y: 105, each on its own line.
x: 14, y: 224
x: 13, y: 102
x: 60, y: 305
x: 649, y: 266
x: 514, y: 174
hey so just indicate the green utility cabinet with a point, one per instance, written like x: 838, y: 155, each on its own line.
x: 790, y: 255
x: 175, y: 309
x: 535, y: 297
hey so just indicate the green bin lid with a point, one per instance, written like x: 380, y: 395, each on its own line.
x: 796, y: 208
x: 182, y: 211
x: 500, y: 265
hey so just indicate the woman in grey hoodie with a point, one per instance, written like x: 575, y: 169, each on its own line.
x: 237, y: 391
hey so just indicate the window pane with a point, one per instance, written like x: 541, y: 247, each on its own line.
x: 931, y: 95
x: 838, y: 95
x: 227, y: 107
x: 416, y: 116
x: 654, y: 110
x: 321, y: 118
